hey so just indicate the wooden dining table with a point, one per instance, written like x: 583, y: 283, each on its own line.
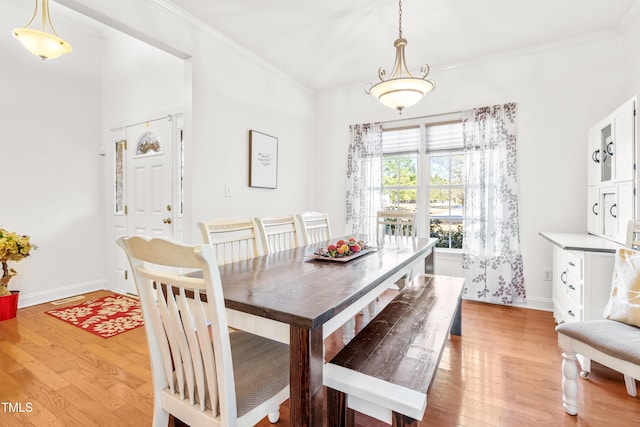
x: 299, y: 300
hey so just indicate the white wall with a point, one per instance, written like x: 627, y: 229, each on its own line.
x: 49, y: 155
x: 138, y: 79
x: 561, y: 91
x: 232, y: 95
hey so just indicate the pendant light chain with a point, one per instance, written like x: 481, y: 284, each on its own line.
x: 400, y: 19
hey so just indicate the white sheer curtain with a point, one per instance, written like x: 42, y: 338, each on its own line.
x: 491, y: 256
x: 364, y: 178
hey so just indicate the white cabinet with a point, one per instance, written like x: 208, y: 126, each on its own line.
x: 611, y: 173
x: 581, y: 284
x: 559, y: 283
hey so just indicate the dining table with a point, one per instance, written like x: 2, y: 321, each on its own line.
x: 300, y: 299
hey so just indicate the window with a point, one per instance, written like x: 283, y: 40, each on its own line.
x: 427, y: 180
x: 400, y: 177
x: 119, y: 176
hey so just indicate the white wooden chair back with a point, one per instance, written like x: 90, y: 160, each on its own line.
x: 279, y: 233
x: 233, y: 239
x: 396, y: 223
x: 633, y: 235
x: 189, y: 340
x: 314, y: 227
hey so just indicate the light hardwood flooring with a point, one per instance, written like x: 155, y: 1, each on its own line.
x: 503, y: 371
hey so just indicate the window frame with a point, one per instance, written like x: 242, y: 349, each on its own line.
x: 424, y: 187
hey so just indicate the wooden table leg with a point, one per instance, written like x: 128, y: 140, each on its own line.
x: 429, y: 263
x: 456, y: 326
x: 305, y: 401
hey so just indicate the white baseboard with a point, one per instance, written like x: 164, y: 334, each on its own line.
x: 543, y: 304
x: 533, y: 303
x: 27, y: 300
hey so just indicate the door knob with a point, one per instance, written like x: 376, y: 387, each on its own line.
x: 167, y: 220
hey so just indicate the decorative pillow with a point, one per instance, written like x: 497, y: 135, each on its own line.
x: 624, y: 302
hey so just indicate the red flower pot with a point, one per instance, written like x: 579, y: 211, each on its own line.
x: 9, y: 305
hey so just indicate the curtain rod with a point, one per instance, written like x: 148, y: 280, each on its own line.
x: 422, y: 117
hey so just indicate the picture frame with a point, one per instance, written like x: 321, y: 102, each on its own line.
x: 263, y: 160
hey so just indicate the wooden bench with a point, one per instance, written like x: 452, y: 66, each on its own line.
x: 388, y: 368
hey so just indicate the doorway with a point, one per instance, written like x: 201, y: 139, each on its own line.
x: 147, y: 193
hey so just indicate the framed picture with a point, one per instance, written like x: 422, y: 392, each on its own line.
x: 263, y: 160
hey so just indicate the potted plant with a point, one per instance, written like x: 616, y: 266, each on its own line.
x: 13, y: 247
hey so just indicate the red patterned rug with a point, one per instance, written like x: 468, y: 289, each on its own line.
x: 105, y: 317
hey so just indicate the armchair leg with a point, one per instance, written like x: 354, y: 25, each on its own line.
x: 569, y: 383
x: 630, y: 383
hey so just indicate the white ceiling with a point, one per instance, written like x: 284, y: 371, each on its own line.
x: 335, y: 43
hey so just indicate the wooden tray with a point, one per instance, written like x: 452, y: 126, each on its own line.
x: 344, y: 258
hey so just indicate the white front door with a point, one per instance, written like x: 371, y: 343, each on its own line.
x: 150, y: 178
x: 143, y: 192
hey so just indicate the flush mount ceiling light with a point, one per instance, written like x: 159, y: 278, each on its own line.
x: 45, y: 44
x: 401, y: 89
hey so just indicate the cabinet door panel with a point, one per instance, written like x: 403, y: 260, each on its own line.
x: 559, y: 283
x: 623, y: 142
x: 593, y: 156
x: 625, y: 209
x: 593, y: 211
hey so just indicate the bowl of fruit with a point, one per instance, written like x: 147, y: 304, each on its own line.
x: 343, y: 250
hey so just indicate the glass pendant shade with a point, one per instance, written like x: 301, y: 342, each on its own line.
x: 44, y: 44
x: 400, y: 93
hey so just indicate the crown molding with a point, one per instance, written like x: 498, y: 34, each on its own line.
x: 628, y: 17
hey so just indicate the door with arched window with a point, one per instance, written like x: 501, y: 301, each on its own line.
x: 147, y: 191
x: 150, y: 178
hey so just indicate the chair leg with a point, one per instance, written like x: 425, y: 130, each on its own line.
x: 569, y: 383
x: 630, y: 383
x: 372, y: 309
x: 348, y: 330
x: 585, y: 364
x: 274, y: 416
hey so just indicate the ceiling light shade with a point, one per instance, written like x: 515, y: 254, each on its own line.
x: 46, y: 45
x: 401, y: 89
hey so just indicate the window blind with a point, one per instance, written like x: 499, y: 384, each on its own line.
x: 405, y: 140
x: 439, y: 137
x: 444, y: 136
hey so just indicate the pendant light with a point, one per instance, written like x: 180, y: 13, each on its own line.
x: 45, y: 44
x: 401, y: 89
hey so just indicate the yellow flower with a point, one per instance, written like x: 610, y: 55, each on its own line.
x: 13, y: 247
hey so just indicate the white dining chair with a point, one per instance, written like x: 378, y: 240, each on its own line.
x: 202, y: 373
x: 278, y: 233
x: 314, y: 227
x: 233, y: 239
x: 396, y: 223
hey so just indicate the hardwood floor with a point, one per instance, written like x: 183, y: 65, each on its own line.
x: 503, y: 371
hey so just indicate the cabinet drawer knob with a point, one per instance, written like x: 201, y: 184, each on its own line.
x: 593, y: 209
x: 570, y: 313
x: 572, y: 287
x: 610, y: 148
x: 615, y: 215
x: 563, y: 277
x: 571, y: 264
